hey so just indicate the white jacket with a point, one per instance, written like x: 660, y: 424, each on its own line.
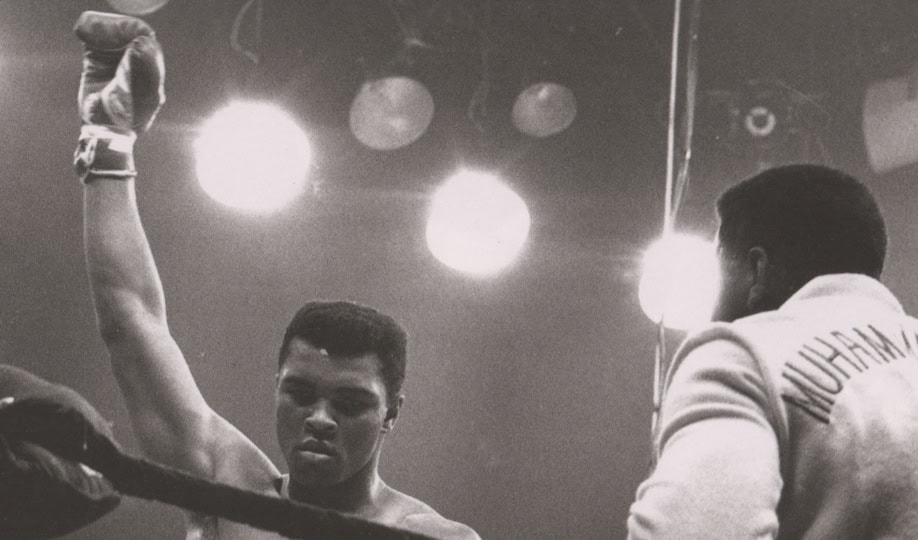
x: 796, y: 423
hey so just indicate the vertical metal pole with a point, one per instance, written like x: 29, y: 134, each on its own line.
x: 660, y: 352
x: 671, y: 132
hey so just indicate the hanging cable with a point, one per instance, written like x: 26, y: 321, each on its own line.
x: 253, y: 55
x: 411, y: 37
x: 477, y: 109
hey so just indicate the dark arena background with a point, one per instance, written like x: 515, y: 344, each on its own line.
x: 529, y: 391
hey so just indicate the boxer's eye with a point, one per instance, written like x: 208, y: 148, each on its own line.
x: 354, y: 402
x: 303, y: 398
x: 351, y: 407
x: 300, y: 394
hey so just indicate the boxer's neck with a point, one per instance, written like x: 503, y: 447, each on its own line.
x: 358, y: 495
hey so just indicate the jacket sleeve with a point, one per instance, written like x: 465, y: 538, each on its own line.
x: 718, y: 472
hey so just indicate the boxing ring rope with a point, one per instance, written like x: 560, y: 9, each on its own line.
x: 675, y: 186
x: 65, y: 431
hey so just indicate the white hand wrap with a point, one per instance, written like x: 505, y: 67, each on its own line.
x: 104, y: 152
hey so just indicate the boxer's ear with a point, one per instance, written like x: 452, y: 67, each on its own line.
x: 392, y: 413
x: 769, y: 281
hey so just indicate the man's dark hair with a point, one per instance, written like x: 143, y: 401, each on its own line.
x: 348, y: 329
x: 812, y: 220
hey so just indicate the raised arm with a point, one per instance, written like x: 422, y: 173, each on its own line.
x: 120, y: 92
x: 167, y: 410
x: 169, y: 415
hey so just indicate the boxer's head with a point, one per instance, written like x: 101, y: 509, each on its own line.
x: 787, y: 225
x: 341, y: 368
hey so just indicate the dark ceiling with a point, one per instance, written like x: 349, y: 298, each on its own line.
x: 528, y: 393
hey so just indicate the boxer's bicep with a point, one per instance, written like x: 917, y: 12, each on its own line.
x: 170, y: 418
x: 718, y: 472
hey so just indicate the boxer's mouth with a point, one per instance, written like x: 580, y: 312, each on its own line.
x: 316, y: 447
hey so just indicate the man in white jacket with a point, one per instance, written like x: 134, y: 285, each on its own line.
x: 795, y: 415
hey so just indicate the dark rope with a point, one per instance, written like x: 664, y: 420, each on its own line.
x: 31, y: 420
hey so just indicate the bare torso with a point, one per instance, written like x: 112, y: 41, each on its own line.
x: 395, y: 509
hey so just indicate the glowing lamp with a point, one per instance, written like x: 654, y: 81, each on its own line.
x: 760, y: 121
x: 679, y: 281
x: 391, y: 112
x: 476, y: 224
x: 890, y: 123
x: 137, y: 7
x: 544, y: 109
x: 252, y: 156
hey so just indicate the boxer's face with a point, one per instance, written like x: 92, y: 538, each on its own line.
x: 332, y: 414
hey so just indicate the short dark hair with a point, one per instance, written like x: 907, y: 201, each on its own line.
x: 349, y: 329
x: 813, y: 220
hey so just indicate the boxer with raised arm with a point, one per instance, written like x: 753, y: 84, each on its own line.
x: 341, y: 365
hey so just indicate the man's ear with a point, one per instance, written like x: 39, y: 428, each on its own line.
x: 392, y: 413
x: 763, y: 279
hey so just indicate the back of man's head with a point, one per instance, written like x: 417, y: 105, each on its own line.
x: 811, y: 220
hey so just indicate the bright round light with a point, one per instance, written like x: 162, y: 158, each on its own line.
x: 544, y: 109
x: 477, y: 224
x: 137, y: 7
x: 679, y: 281
x: 252, y: 156
x: 391, y: 112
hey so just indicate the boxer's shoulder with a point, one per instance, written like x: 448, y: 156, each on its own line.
x: 410, y: 514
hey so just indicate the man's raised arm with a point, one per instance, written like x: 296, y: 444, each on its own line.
x: 121, y: 91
